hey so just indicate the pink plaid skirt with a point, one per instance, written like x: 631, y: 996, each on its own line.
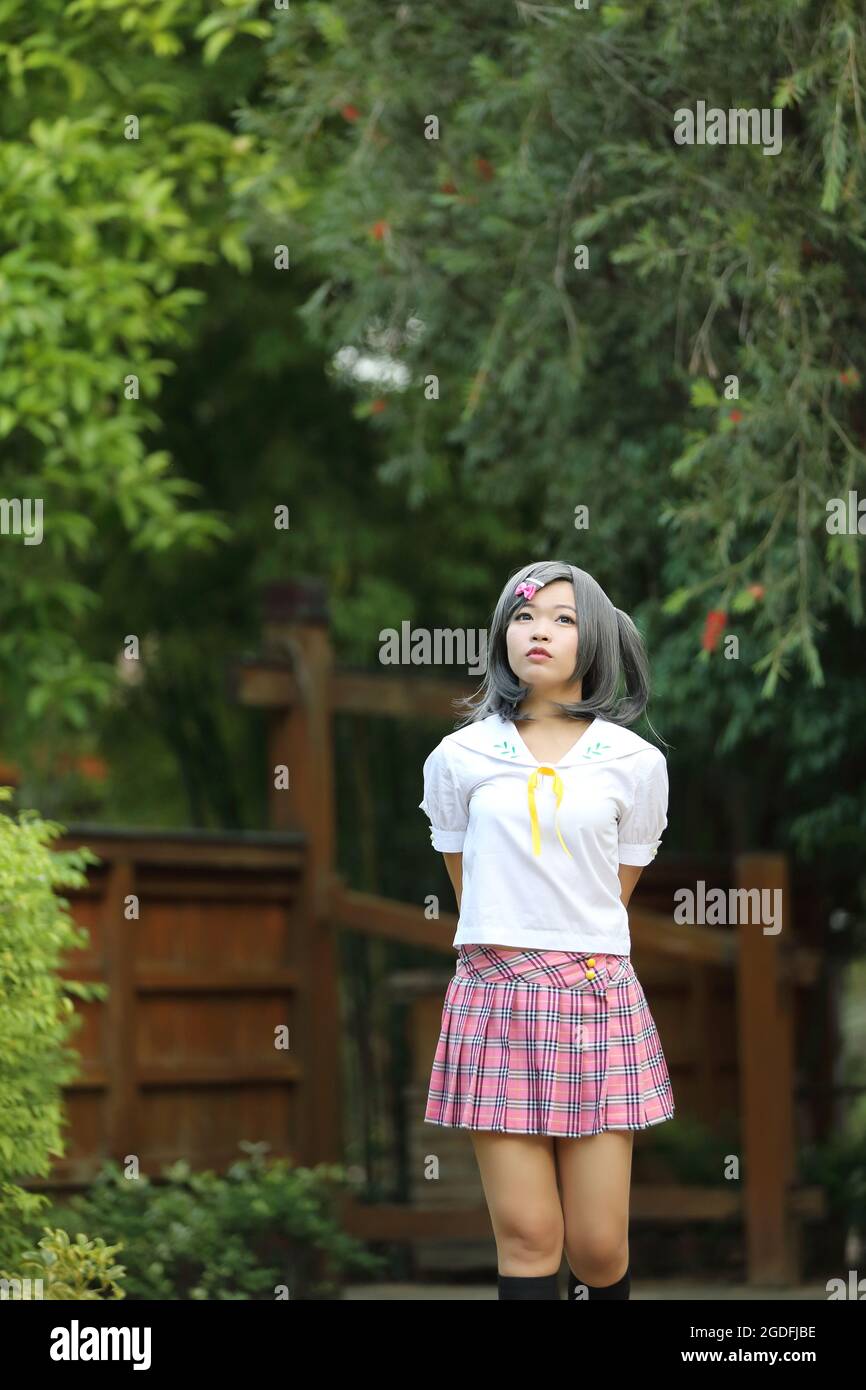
x: 547, y: 1042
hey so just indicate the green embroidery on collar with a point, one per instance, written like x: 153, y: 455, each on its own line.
x: 595, y: 749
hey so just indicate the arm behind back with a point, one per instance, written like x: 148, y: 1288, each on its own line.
x: 454, y: 865
x: 628, y: 877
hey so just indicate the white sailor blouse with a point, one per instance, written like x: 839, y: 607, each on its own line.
x: 541, y: 845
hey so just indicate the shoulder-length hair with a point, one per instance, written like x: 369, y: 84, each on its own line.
x: 609, y: 648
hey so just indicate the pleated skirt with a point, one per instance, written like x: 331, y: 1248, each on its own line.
x: 547, y: 1042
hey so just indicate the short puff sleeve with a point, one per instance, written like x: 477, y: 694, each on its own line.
x: 642, y: 825
x: 445, y: 803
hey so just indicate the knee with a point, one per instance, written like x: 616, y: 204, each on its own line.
x: 531, y: 1239
x: 599, y: 1256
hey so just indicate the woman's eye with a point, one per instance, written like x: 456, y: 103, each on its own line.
x: 526, y: 614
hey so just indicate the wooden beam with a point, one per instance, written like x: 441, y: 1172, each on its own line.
x: 393, y: 692
x: 674, y: 1203
x: 222, y: 1074
x: 169, y: 849
x: 655, y: 931
x: 652, y: 931
x: 366, y: 912
x: 73, y: 1173
x: 209, y: 981
x: 383, y: 1221
x: 262, y: 685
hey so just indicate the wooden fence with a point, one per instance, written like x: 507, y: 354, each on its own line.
x: 181, y: 1059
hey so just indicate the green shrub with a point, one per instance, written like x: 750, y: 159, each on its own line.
x: 207, y: 1236
x: 60, y: 1269
x: 37, y: 1014
x: 693, y: 1150
x: 838, y: 1165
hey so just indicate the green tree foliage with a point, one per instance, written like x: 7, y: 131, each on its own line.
x: 696, y: 386
x: 37, y: 1013
x: 242, y: 415
x: 603, y: 385
x: 116, y: 175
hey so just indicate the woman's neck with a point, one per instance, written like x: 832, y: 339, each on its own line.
x: 545, y: 711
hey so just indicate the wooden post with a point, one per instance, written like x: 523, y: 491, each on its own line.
x: 767, y: 1076
x: 302, y: 739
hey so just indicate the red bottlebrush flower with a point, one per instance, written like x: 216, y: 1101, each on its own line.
x: 484, y: 167
x: 448, y: 187
x: 756, y: 590
x: 349, y: 112
x: 377, y: 406
x: 93, y: 768
x: 379, y: 229
x: 735, y: 416
x: 89, y: 765
x: 714, y: 626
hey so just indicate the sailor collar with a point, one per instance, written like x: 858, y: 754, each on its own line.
x: 498, y: 738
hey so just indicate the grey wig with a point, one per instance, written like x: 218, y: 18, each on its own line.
x: 608, y: 646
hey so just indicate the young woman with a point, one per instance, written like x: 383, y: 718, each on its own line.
x: 547, y: 808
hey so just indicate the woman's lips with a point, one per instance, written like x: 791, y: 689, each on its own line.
x: 538, y: 656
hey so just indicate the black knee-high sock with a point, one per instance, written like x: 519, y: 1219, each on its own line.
x: 536, y: 1286
x: 620, y: 1290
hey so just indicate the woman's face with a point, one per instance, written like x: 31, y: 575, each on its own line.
x: 546, y: 623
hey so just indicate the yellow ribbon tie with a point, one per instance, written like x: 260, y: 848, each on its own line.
x: 533, y: 813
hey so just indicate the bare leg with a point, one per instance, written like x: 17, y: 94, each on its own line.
x: 518, y: 1174
x: 595, y: 1177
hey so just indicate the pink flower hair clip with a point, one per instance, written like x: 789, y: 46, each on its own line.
x: 529, y: 588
